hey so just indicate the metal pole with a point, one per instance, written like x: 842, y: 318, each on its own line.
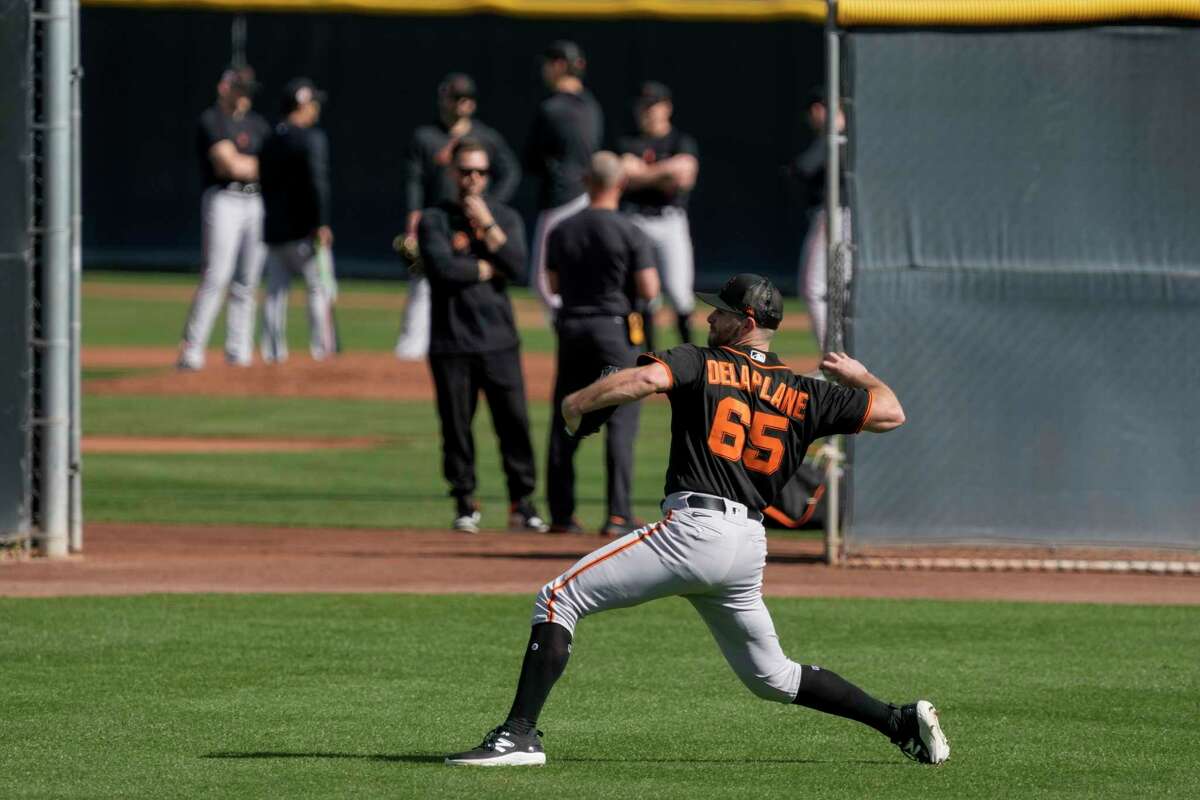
x: 833, y: 284
x: 56, y: 280
x: 76, y: 452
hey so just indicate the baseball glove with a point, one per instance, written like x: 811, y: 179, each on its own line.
x: 409, y: 254
x: 593, y: 421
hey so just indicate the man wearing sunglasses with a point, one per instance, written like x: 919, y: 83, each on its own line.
x: 428, y: 182
x: 473, y: 247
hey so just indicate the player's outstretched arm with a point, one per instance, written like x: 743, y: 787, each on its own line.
x: 624, y: 386
x: 885, y: 413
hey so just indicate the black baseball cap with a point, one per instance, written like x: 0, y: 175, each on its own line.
x: 563, y: 50
x: 751, y: 296
x: 652, y: 94
x: 457, y: 85
x: 299, y: 91
x: 241, y: 79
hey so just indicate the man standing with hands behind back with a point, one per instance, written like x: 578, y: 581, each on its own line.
x: 472, y: 249
x: 600, y: 264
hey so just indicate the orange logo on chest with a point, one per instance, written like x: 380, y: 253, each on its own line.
x: 460, y: 242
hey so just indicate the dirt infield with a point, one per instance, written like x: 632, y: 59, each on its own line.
x: 125, y: 559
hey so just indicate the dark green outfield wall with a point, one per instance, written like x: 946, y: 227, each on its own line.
x: 740, y: 90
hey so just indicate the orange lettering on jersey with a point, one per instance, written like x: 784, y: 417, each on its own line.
x: 799, y: 405
x: 730, y: 374
x: 745, y: 382
x: 765, y: 392
x: 755, y: 381
x: 777, y: 397
x: 713, y: 371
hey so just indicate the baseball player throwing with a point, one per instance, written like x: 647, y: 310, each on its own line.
x: 742, y: 422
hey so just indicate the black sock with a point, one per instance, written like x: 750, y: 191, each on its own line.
x: 829, y: 692
x: 545, y: 659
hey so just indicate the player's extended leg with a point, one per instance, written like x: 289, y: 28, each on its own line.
x: 321, y: 339
x: 659, y: 560
x: 239, y: 335
x: 413, y: 343
x: 742, y: 627
x: 220, y: 235
x: 279, y: 278
x: 457, y: 391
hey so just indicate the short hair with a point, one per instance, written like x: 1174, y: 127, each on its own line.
x: 457, y: 84
x: 469, y: 145
x: 605, y: 170
x: 563, y: 50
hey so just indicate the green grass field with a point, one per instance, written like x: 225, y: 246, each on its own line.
x: 359, y: 696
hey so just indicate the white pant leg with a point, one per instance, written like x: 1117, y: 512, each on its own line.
x: 279, y: 278
x: 547, y: 221
x: 322, y: 343
x: 813, y: 275
x: 672, y: 240
x: 243, y: 290
x: 413, y: 344
x: 220, y: 226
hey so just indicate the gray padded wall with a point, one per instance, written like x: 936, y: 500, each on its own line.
x: 14, y: 268
x: 1028, y: 279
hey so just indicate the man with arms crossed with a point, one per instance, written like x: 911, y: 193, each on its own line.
x: 741, y: 422
x: 228, y: 138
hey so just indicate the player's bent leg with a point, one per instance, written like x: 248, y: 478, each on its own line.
x: 745, y: 634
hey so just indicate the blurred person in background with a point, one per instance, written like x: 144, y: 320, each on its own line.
x: 600, y: 264
x: 294, y: 167
x: 473, y: 247
x: 661, y: 165
x: 567, y: 130
x: 229, y: 136
x: 809, y: 168
x: 427, y: 182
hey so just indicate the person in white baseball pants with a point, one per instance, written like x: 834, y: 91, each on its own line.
x: 229, y: 136
x: 814, y: 270
x: 708, y: 548
x: 302, y: 257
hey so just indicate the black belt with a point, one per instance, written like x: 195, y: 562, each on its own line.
x: 717, y: 504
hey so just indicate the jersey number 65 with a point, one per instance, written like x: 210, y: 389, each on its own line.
x: 733, y: 424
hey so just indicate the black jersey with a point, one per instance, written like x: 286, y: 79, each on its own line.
x: 741, y: 421
x: 568, y: 128
x: 427, y: 180
x: 652, y: 150
x: 596, y: 253
x: 247, y: 134
x: 293, y: 168
x: 468, y: 315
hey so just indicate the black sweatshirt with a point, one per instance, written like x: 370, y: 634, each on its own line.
x: 293, y: 169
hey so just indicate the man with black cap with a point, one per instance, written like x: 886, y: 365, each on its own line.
x: 229, y: 136
x: 741, y: 422
x: 567, y: 130
x: 427, y: 182
x: 662, y: 163
x: 295, y: 184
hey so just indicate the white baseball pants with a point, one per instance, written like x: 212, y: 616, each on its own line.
x: 547, y: 221
x: 813, y: 270
x: 232, y: 255
x: 413, y: 344
x: 285, y: 259
x: 715, y: 560
x: 675, y: 260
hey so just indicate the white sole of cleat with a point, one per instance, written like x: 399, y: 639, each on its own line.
x: 931, y: 732
x: 506, y: 760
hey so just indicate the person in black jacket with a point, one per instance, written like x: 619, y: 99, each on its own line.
x: 567, y: 130
x: 427, y: 182
x: 294, y: 170
x: 473, y: 248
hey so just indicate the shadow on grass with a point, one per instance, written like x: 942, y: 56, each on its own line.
x: 425, y: 758
x: 400, y: 758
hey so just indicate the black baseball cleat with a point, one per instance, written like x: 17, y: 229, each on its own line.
x: 919, y: 735
x: 572, y: 526
x: 503, y: 748
x: 522, y: 516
